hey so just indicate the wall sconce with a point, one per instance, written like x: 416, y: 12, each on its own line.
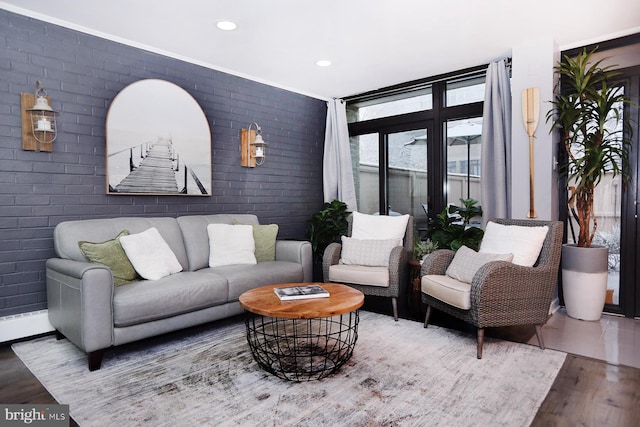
x: 39, y: 128
x: 253, y: 149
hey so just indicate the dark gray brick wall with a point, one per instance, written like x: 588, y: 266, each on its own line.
x: 82, y: 75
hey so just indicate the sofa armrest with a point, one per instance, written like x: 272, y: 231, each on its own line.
x: 524, y: 294
x: 437, y: 262
x: 398, y: 275
x: 297, y: 251
x: 80, y: 302
x: 331, y: 256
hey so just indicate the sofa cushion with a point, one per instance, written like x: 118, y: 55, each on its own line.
x: 144, y: 301
x: 265, y: 239
x: 196, y: 239
x: 230, y: 245
x: 378, y: 227
x: 359, y: 275
x: 150, y: 255
x: 242, y: 278
x: 372, y: 253
x: 111, y: 254
x: 447, y: 289
x: 523, y: 242
x: 67, y: 234
x: 467, y: 262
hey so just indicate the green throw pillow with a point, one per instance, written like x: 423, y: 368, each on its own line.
x: 111, y: 254
x: 265, y: 239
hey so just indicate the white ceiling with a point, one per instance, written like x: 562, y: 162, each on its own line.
x: 371, y: 43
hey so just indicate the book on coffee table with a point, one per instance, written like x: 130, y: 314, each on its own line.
x: 301, y: 292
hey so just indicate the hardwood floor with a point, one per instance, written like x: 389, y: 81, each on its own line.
x: 18, y: 385
x: 587, y: 392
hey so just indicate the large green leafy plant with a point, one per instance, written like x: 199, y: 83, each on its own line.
x: 588, y: 112
x: 327, y: 225
x: 450, y: 229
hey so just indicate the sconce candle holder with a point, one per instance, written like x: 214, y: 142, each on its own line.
x: 253, y: 149
x: 39, y: 128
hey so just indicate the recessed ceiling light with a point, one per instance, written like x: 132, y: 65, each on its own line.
x: 226, y: 25
x: 323, y: 63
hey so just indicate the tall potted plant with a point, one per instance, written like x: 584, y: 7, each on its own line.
x: 588, y: 113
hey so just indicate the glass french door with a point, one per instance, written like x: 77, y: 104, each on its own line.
x: 391, y: 172
x: 629, y: 302
x: 617, y: 209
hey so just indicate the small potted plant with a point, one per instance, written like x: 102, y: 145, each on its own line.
x: 588, y: 113
x: 421, y: 248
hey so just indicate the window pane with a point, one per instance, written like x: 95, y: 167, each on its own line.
x: 465, y: 91
x: 407, y: 178
x: 417, y: 100
x: 463, y: 159
x: 366, y: 166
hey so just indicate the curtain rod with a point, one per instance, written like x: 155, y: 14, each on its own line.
x: 419, y: 84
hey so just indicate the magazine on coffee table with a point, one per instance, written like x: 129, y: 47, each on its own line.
x: 301, y: 292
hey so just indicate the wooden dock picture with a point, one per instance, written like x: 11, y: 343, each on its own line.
x: 155, y: 174
x: 158, y: 142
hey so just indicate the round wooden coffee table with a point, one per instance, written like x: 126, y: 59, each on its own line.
x: 305, y: 339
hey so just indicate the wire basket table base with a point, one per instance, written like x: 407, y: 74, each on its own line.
x: 302, y: 349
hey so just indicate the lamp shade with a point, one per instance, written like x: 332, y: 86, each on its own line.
x: 42, y: 105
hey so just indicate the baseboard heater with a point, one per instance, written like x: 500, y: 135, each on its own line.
x: 24, y: 325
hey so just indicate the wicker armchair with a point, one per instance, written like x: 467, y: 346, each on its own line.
x: 398, y: 274
x: 502, y: 293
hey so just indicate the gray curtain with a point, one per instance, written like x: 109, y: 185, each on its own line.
x: 496, y: 144
x: 337, y: 169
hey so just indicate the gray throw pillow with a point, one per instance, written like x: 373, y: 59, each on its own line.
x: 370, y: 253
x: 467, y: 262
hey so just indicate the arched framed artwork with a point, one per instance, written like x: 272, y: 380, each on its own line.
x: 158, y: 142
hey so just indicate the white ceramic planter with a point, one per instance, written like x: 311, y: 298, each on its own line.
x: 584, y: 280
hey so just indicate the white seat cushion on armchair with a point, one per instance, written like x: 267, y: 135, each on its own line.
x: 359, y: 275
x: 447, y: 289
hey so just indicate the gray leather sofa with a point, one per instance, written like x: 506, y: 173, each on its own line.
x: 85, y: 307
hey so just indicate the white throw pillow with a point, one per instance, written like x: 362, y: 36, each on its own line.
x: 523, y: 242
x: 372, y: 253
x: 466, y: 262
x: 231, y: 245
x: 378, y: 227
x: 150, y: 255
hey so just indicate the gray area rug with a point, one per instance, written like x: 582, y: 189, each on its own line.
x: 400, y: 375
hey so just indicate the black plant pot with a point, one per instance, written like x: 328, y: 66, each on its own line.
x: 317, y: 271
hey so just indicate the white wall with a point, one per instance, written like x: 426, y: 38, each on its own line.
x: 532, y: 66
